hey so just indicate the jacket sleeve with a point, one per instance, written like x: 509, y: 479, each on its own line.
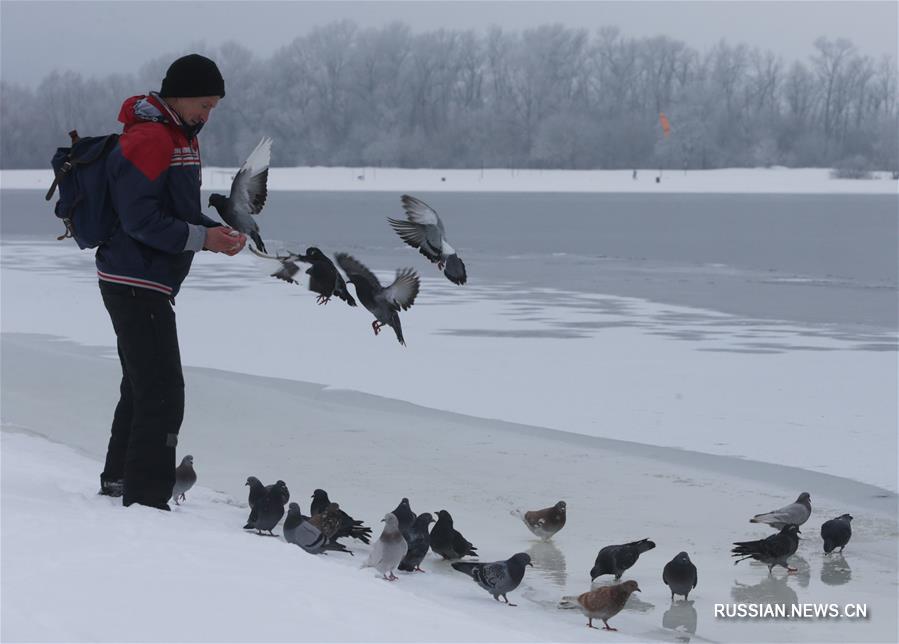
x: 137, y: 169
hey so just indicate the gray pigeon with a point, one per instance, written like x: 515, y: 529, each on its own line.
x: 389, y: 549
x: 423, y: 229
x: 614, y: 560
x: 498, y: 577
x: 298, y: 531
x: 185, y: 477
x: 774, y: 551
x: 384, y: 303
x: 270, y: 508
x: 419, y: 541
x: 796, y: 513
x: 248, y: 193
x: 680, y: 575
x: 257, y: 491
x: 836, y: 533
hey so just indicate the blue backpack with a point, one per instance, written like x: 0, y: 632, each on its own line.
x: 84, y: 204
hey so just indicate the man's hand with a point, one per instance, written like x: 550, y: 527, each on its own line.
x: 223, y: 239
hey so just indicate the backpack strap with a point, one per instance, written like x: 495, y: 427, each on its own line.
x: 66, y: 168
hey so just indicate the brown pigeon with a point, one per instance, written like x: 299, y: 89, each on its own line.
x: 329, y: 521
x: 603, y: 603
x: 546, y: 522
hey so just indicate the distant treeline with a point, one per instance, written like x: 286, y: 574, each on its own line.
x: 550, y: 97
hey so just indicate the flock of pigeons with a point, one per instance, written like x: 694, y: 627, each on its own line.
x: 422, y: 229
x: 407, y: 537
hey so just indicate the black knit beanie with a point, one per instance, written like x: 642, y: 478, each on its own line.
x: 192, y: 75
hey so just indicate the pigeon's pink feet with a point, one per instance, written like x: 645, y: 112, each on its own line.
x: 323, y: 299
x: 418, y: 569
x: 607, y: 627
x: 376, y: 326
x: 440, y: 266
x: 791, y: 570
x: 392, y: 577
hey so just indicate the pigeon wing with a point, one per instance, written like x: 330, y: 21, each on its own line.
x: 355, y: 270
x: 249, y: 188
x: 402, y: 292
x: 418, y: 212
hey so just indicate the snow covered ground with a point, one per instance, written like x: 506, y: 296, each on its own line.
x: 650, y: 420
x: 399, y: 180
x: 281, y: 388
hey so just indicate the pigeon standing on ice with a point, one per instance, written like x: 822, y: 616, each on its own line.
x: 419, y: 541
x: 448, y: 542
x: 404, y: 515
x: 299, y: 531
x: 423, y: 229
x: 270, y: 508
x: 185, y: 477
x: 774, y: 551
x: 248, y: 193
x: 680, y: 575
x: 257, y: 491
x: 389, y: 549
x: 384, y: 303
x: 603, y: 603
x: 349, y: 527
x: 836, y: 533
x: 614, y: 560
x: 546, y: 522
x: 796, y: 513
x: 498, y: 577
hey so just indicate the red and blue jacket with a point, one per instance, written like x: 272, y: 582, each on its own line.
x: 154, y: 183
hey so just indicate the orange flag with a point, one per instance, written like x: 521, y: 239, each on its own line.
x: 666, y: 126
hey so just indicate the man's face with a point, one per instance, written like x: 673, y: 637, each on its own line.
x: 194, y: 110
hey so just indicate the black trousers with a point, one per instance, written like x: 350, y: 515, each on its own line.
x: 151, y: 404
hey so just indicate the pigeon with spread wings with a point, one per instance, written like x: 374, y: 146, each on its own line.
x: 248, y: 193
x: 324, y: 278
x: 423, y: 229
x: 384, y: 303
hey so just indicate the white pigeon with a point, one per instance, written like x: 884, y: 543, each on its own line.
x: 389, y: 549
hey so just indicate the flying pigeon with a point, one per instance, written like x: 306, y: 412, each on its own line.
x: 389, y: 549
x: 680, y: 575
x: 448, y: 542
x: 299, y: 531
x: 185, y: 477
x: 270, y: 508
x: 423, y: 229
x: 796, y: 513
x: 498, y: 577
x: 248, y: 193
x: 836, y: 533
x: 324, y: 278
x: 349, y: 527
x: 546, y: 522
x: 603, y: 603
x: 774, y: 551
x: 614, y: 560
x: 384, y: 303
x: 418, y: 540
x: 404, y: 515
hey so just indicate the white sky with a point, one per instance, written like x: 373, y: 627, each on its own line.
x: 97, y: 38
